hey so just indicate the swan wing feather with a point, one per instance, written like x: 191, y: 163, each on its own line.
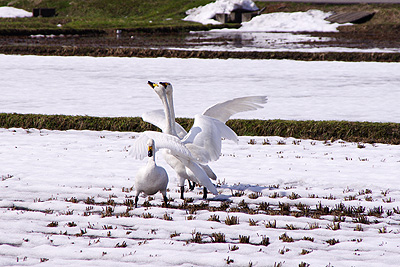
x: 224, y: 110
x: 155, y: 117
x: 180, y: 131
x: 204, y: 138
x: 162, y: 141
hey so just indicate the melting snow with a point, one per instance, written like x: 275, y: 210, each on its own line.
x: 12, y: 12
x: 205, y: 14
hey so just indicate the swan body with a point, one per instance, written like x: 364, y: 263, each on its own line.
x: 151, y: 178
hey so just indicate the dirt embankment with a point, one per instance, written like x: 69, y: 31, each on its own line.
x: 146, y: 52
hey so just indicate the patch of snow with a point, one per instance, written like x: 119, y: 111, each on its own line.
x: 310, y: 21
x: 12, y: 12
x: 205, y: 14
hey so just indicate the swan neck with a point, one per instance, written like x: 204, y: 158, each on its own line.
x: 170, y: 102
x: 167, y: 114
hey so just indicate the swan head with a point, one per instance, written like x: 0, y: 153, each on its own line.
x: 168, y: 87
x: 150, y: 148
x: 159, y: 89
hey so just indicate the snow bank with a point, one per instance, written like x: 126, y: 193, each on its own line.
x: 310, y: 21
x: 12, y: 12
x: 205, y: 14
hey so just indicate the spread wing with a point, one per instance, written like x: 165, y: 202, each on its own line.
x: 204, y: 138
x: 223, y: 111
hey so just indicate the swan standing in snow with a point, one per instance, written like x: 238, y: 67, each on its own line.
x: 221, y: 111
x: 151, y: 178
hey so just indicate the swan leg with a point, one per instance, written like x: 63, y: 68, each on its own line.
x: 166, y: 201
x: 204, y: 193
x: 182, y: 192
x: 191, y: 185
x: 136, y: 200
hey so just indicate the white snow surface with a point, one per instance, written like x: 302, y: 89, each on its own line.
x: 354, y: 91
x: 310, y: 21
x: 64, y: 197
x: 12, y: 12
x: 205, y: 14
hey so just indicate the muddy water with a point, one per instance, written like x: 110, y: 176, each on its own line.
x: 217, y: 43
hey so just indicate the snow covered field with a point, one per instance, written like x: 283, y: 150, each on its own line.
x: 118, y: 86
x: 66, y: 196
x: 66, y: 201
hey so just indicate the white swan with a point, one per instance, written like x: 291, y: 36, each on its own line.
x: 203, y: 140
x: 221, y: 111
x: 151, y: 178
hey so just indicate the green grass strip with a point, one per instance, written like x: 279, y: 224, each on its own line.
x: 367, y: 132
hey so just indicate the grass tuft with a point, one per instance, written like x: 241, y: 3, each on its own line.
x: 52, y: 224
x: 333, y: 226
x: 244, y: 239
x: 214, y: 218
x: 271, y: 224
x: 308, y: 238
x: 167, y: 217
x: 147, y: 215
x: 196, y: 237
x: 252, y: 222
x: 361, y: 219
x: 231, y: 220
x: 218, y: 238
x: 294, y: 196
x: 174, y: 234
x: 265, y: 241
x: 233, y: 248
x: 332, y: 241
x: 122, y: 245
x: 291, y: 227
x: 358, y: 228
x: 71, y: 224
x: 285, y: 238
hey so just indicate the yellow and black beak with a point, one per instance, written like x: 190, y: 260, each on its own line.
x: 150, y: 151
x: 152, y: 85
x: 164, y: 84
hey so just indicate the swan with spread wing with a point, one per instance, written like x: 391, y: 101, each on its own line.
x: 220, y: 112
x: 203, y: 143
